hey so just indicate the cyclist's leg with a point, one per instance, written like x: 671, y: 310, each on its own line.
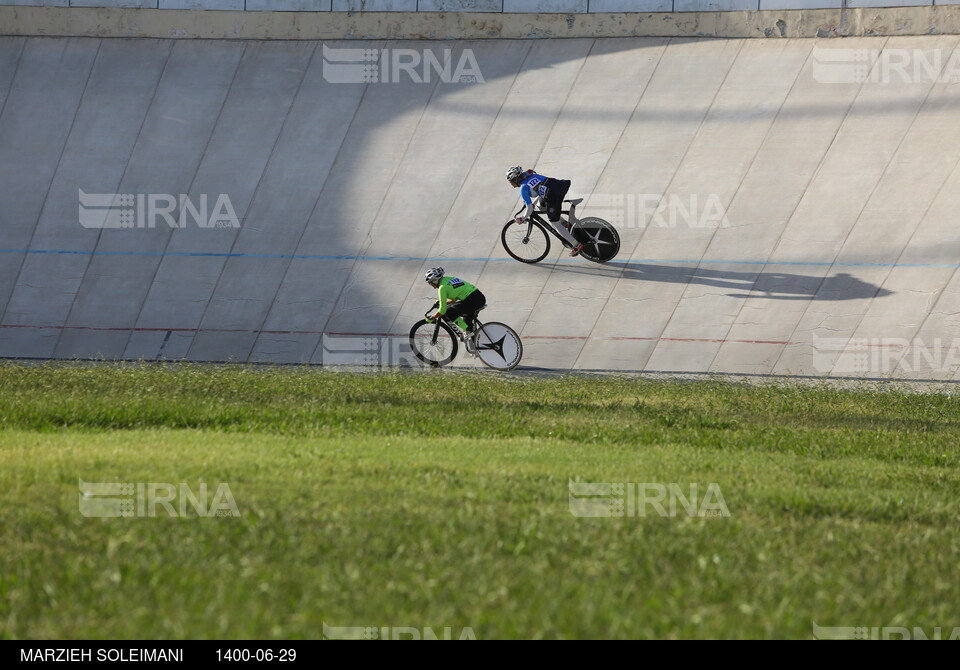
x: 473, y: 304
x: 564, y: 233
x: 455, y: 315
x: 463, y: 312
x: 554, y: 205
x: 557, y: 191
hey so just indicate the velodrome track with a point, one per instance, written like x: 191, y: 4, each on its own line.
x: 839, y: 202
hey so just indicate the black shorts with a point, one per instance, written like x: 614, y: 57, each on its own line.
x: 467, y: 308
x: 556, y: 192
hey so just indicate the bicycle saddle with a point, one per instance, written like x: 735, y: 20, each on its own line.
x: 575, y: 202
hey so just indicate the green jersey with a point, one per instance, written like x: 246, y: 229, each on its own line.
x: 453, y: 288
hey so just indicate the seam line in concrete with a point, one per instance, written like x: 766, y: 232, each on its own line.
x: 316, y: 202
x: 546, y: 142
x: 513, y: 84
x: 196, y: 171
x: 146, y: 115
x: 643, y: 93
x: 13, y: 75
x: 866, y: 202
x: 673, y: 178
x: 743, y: 178
x: 126, y: 165
x: 953, y: 277
x: 256, y: 190
x: 810, y: 181
x: 373, y: 223
x: 920, y: 219
x: 53, y: 176
x: 3, y: 106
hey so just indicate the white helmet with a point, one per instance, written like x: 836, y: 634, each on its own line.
x: 514, y: 173
x: 433, y: 275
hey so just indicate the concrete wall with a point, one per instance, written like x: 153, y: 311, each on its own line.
x: 502, y: 6
x: 838, y: 187
x: 313, y: 25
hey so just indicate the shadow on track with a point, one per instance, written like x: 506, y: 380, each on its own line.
x: 769, y: 285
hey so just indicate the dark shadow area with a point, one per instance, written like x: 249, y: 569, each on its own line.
x: 768, y: 285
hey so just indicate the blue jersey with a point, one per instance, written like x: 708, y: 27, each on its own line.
x: 534, y: 186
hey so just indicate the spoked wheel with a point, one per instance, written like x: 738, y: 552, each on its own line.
x: 499, y: 346
x: 527, y: 242
x: 433, y: 342
x: 600, y: 240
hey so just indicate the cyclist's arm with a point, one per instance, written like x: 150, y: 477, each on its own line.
x: 442, y: 293
x: 528, y: 198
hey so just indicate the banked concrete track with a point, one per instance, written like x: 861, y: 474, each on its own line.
x: 823, y: 238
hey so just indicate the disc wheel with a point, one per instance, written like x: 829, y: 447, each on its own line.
x: 600, y: 240
x: 498, y: 346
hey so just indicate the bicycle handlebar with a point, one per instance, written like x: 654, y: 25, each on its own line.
x: 436, y: 304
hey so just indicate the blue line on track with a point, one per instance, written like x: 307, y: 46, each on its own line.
x: 638, y: 261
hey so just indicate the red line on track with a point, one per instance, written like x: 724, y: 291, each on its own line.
x: 337, y: 334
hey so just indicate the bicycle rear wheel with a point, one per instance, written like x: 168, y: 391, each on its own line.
x: 433, y: 342
x: 498, y: 346
x: 600, y: 240
x: 526, y: 242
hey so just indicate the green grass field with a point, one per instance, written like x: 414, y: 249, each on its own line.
x: 441, y: 500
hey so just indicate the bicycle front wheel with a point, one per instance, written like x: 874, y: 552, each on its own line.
x: 526, y: 242
x: 498, y: 346
x: 600, y: 240
x: 433, y: 342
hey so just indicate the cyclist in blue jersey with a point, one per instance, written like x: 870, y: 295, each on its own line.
x: 550, y: 192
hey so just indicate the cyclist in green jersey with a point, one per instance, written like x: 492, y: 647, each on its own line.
x: 466, y: 297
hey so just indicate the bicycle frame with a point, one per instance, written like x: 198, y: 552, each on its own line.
x: 598, y: 239
x: 536, y: 216
x: 449, y: 322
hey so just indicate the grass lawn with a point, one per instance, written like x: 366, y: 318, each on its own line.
x: 441, y: 500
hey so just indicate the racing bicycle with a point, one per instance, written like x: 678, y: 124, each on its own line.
x: 436, y: 342
x: 529, y: 242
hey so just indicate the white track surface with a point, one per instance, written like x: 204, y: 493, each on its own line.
x: 842, y: 202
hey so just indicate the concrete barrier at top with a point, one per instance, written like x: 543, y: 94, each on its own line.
x: 776, y: 23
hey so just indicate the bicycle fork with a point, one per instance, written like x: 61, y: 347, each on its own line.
x: 436, y: 333
x: 526, y: 238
